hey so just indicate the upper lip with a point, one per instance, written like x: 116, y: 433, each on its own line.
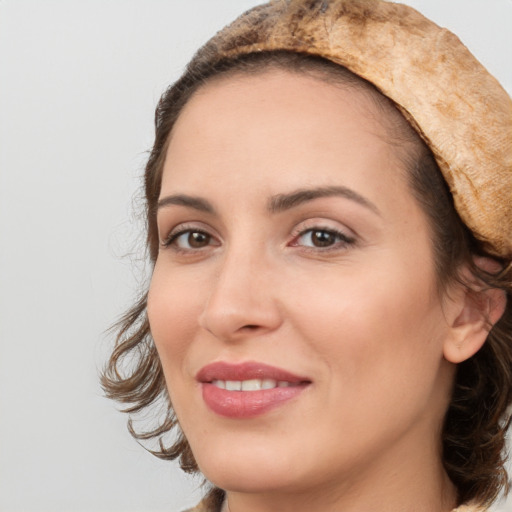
x: 221, y: 370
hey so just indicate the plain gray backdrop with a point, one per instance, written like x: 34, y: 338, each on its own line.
x: 79, y: 81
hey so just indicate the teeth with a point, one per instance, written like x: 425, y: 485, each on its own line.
x: 220, y: 384
x: 250, y: 385
x: 268, y: 383
x: 234, y: 385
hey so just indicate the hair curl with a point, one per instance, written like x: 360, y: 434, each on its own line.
x: 473, y: 436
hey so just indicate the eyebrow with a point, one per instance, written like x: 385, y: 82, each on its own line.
x: 197, y: 203
x: 277, y: 203
x: 282, y: 202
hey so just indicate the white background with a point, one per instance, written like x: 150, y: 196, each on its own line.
x: 79, y: 81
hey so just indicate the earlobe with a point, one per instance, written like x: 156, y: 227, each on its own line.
x: 476, y: 312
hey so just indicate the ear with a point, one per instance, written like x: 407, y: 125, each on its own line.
x: 471, y: 314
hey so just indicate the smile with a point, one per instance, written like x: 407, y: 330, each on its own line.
x: 249, y: 389
x: 251, y: 384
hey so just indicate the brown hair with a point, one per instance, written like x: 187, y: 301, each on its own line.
x: 473, y: 436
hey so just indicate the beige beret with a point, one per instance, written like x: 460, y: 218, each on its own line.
x: 457, y: 107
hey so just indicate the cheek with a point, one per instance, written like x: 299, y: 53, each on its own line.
x: 378, y: 331
x: 173, y: 309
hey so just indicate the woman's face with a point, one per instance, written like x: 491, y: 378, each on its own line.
x: 293, y: 302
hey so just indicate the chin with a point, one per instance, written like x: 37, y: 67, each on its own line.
x: 245, y: 469
x: 250, y: 480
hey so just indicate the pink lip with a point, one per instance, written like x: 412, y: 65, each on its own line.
x: 247, y: 404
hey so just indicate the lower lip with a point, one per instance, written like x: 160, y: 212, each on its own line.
x: 247, y: 404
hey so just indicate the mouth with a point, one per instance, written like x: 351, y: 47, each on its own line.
x: 251, y: 384
x: 249, y: 389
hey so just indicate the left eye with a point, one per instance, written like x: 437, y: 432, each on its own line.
x: 321, y: 238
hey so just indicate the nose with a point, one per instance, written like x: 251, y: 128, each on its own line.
x: 242, y: 301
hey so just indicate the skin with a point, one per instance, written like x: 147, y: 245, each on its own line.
x: 362, y: 318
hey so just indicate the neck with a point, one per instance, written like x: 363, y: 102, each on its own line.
x: 409, y: 481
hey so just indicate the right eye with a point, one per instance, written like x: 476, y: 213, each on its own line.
x: 189, y: 240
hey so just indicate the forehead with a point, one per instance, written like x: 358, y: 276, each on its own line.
x: 261, y: 121
x: 295, y: 91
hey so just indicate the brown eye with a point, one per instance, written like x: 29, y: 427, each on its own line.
x: 189, y: 240
x: 196, y: 239
x: 318, y: 238
x: 323, y: 238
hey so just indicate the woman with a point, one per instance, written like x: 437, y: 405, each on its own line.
x: 329, y: 219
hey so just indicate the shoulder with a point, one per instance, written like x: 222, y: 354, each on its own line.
x: 212, y: 502
x: 201, y: 507
x: 204, y: 507
x: 471, y: 508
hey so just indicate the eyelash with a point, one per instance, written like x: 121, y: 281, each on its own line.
x: 342, y: 240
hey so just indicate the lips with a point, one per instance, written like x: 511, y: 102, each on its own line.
x: 249, y: 389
